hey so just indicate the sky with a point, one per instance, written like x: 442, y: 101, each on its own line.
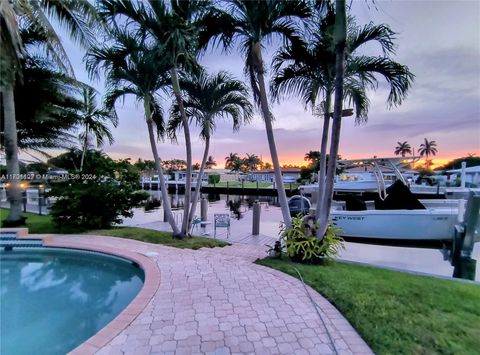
x: 438, y: 40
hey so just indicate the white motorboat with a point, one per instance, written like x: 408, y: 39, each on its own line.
x: 432, y: 223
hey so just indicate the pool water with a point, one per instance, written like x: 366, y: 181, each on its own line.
x: 52, y: 300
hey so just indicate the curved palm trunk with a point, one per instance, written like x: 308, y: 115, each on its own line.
x: 11, y: 154
x: 340, y: 39
x: 199, y: 182
x: 323, y: 156
x: 282, y: 196
x: 188, y: 143
x: 158, y: 166
x: 85, y: 142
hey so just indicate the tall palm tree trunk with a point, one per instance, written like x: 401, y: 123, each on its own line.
x: 323, y: 155
x: 282, y: 196
x: 14, y: 194
x: 85, y: 143
x: 340, y: 39
x: 158, y: 166
x: 199, y: 182
x: 188, y: 143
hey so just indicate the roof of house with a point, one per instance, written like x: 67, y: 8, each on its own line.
x: 471, y: 170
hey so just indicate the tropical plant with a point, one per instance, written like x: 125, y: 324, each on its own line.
x: 428, y: 148
x: 213, y: 179
x: 47, y: 106
x: 230, y: 160
x: 174, y: 28
x: 132, y: 67
x: 253, y: 23
x: 302, y: 245
x: 78, y: 17
x: 210, y: 163
x: 109, y: 194
x: 327, y: 64
x: 403, y: 148
x: 208, y: 98
x: 252, y: 162
x: 94, y: 121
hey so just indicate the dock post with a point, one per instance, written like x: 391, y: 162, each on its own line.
x: 24, y: 200
x: 256, y: 218
x: 464, y: 175
x: 203, y: 209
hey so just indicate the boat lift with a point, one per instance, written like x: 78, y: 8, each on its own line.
x: 467, y: 233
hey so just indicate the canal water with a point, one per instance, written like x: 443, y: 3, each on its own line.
x: 415, y: 259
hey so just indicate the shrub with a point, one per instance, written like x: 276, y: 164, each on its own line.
x: 93, y: 204
x: 302, y: 245
x: 97, y: 197
x: 213, y: 179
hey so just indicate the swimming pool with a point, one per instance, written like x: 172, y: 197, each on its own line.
x: 52, y: 300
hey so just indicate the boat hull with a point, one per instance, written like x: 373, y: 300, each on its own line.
x: 427, y: 224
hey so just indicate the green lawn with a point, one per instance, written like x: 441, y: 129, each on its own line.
x: 396, y: 312
x: 43, y: 225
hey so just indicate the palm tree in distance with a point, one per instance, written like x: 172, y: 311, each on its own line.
x: 252, y: 162
x: 94, y: 122
x: 403, y: 148
x: 132, y: 67
x: 230, y: 160
x: 210, y: 163
x: 78, y: 18
x: 174, y: 27
x: 208, y: 98
x: 253, y: 23
x: 428, y: 148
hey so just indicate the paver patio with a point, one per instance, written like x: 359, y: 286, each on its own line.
x: 217, y: 301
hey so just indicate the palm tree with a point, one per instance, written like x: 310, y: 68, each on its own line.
x: 252, y: 162
x: 313, y: 156
x: 310, y: 69
x: 78, y: 17
x: 403, y: 148
x: 230, y: 160
x: 175, y: 29
x: 428, y: 148
x: 210, y: 163
x: 94, y: 121
x: 209, y: 97
x: 254, y: 23
x: 132, y: 67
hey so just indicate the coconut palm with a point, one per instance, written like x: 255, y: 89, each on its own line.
x: 403, y: 148
x: 133, y: 67
x: 94, y: 122
x: 47, y: 106
x: 174, y: 27
x: 313, y: 156
x: 208, y: 98
x: 210, y: 163
x: 252, y: 162
x: 253, y: 23
x: 230, y: 160
x: 77, y: 17
x: 428, y: 148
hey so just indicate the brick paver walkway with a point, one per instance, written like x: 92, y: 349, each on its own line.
x: 216, y: 301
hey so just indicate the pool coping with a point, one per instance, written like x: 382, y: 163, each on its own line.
x: 131, y: 312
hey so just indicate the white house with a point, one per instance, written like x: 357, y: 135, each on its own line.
x: 268, y: 175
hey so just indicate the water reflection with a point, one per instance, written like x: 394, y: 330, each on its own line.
x: 60, y: 298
